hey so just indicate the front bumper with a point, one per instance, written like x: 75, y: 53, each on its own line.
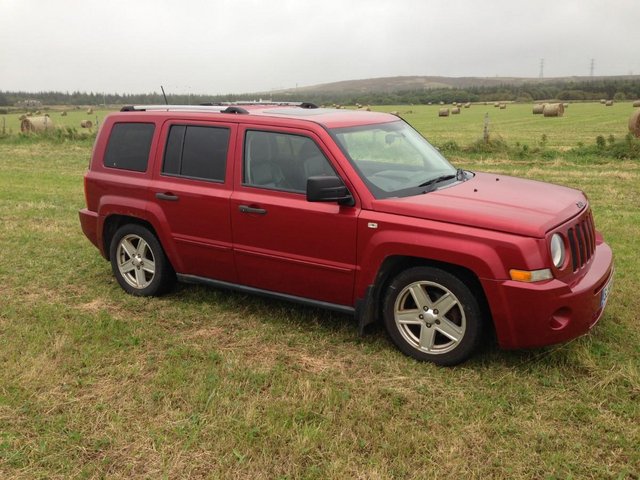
x: 528, y: 315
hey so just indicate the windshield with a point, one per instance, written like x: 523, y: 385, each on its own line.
x: 394, y: 160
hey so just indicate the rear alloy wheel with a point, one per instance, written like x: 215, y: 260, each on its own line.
x: 432, y: 315
x: 138, y: 261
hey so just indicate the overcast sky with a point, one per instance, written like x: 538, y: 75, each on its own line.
x: 235, y: 46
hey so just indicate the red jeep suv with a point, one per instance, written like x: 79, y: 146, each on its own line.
x: 348, y: 210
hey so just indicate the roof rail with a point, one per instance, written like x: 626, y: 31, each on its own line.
x: 223, y: 107
x: 173, y: 108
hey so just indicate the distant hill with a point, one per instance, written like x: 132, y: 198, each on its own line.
x: 399, y: 84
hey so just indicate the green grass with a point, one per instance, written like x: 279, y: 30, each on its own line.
x: 205, y: 383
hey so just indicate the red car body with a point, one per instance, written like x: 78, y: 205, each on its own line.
x: 340, y: 256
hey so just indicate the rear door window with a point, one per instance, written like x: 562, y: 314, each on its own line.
x: 196, y: 152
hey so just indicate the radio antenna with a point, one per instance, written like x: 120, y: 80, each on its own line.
x: 164, y: 95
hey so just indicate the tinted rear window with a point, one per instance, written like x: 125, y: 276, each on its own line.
x: 197, y: 152
x: 129, y: 146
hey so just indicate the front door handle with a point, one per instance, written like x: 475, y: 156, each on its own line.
x: 248, y: 209
x: 167, y: 196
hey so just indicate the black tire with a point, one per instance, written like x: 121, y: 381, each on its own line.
x: 139, y: 262
x: 443, y: 325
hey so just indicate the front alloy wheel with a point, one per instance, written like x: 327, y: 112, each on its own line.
x: 432, y: 315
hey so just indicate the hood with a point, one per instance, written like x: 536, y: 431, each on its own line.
x: 494, y: 202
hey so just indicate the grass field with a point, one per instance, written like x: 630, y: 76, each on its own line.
x: 582, y: 123
x: 208, y: 384
x: 73, y: 118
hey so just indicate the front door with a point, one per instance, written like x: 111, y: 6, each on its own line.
x: 282, y: 242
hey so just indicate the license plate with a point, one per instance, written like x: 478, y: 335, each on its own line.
x: 604, y: 295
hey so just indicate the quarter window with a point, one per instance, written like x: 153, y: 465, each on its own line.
x: 129, y: 145
x: 197, y: 152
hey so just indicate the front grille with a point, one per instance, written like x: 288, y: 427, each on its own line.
x: 582, y: 241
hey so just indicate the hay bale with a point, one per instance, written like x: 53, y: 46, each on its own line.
x: 553, y: 110
x: 89, y: 111
x: 441, y: 103
x: 36, y: 124
x: 443, y: 112
x: 538, y: 108
x: 603, y: 101
x: 63, y: 114
x: 634, y: 123
x: 636, y: 103
x: 467, y: 105
x: 496, y: 104
x: 86, y: 124
x: 503, y: 106
x: 455, y: 111
x: 609, y: 103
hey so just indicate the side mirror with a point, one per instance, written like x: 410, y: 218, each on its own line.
x: 328, y: 189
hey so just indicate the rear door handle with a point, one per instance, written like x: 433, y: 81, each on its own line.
x: 167, y: 196
x: 248, y: 209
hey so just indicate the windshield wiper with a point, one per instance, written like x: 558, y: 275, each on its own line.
x: 459, y: 175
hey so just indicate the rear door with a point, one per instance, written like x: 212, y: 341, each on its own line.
x: 282, y: 242
x: 191, y: 191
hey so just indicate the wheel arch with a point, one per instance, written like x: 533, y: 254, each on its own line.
x: 395, y: 264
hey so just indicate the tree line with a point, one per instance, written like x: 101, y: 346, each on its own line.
x: 626, y: 89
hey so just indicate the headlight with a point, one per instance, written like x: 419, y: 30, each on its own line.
x: 557, y: 250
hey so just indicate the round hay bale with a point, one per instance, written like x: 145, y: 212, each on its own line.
x: 89, y: 111
x: 455, y: 111
x: 86, y: 124
x: 441, y: 103
x: 429, y: 103
x: 553, y: 110
x: 538, y: 108
x: 496, y: 104
x: 467, y: 105
x: 609, y: 103
x: 636, y: 103
x: 603, y: 101
x: 36, y: 124
x: 63, y: 114
x: 634, y: 123
x: 503, y: 106
x: 443, y: 112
